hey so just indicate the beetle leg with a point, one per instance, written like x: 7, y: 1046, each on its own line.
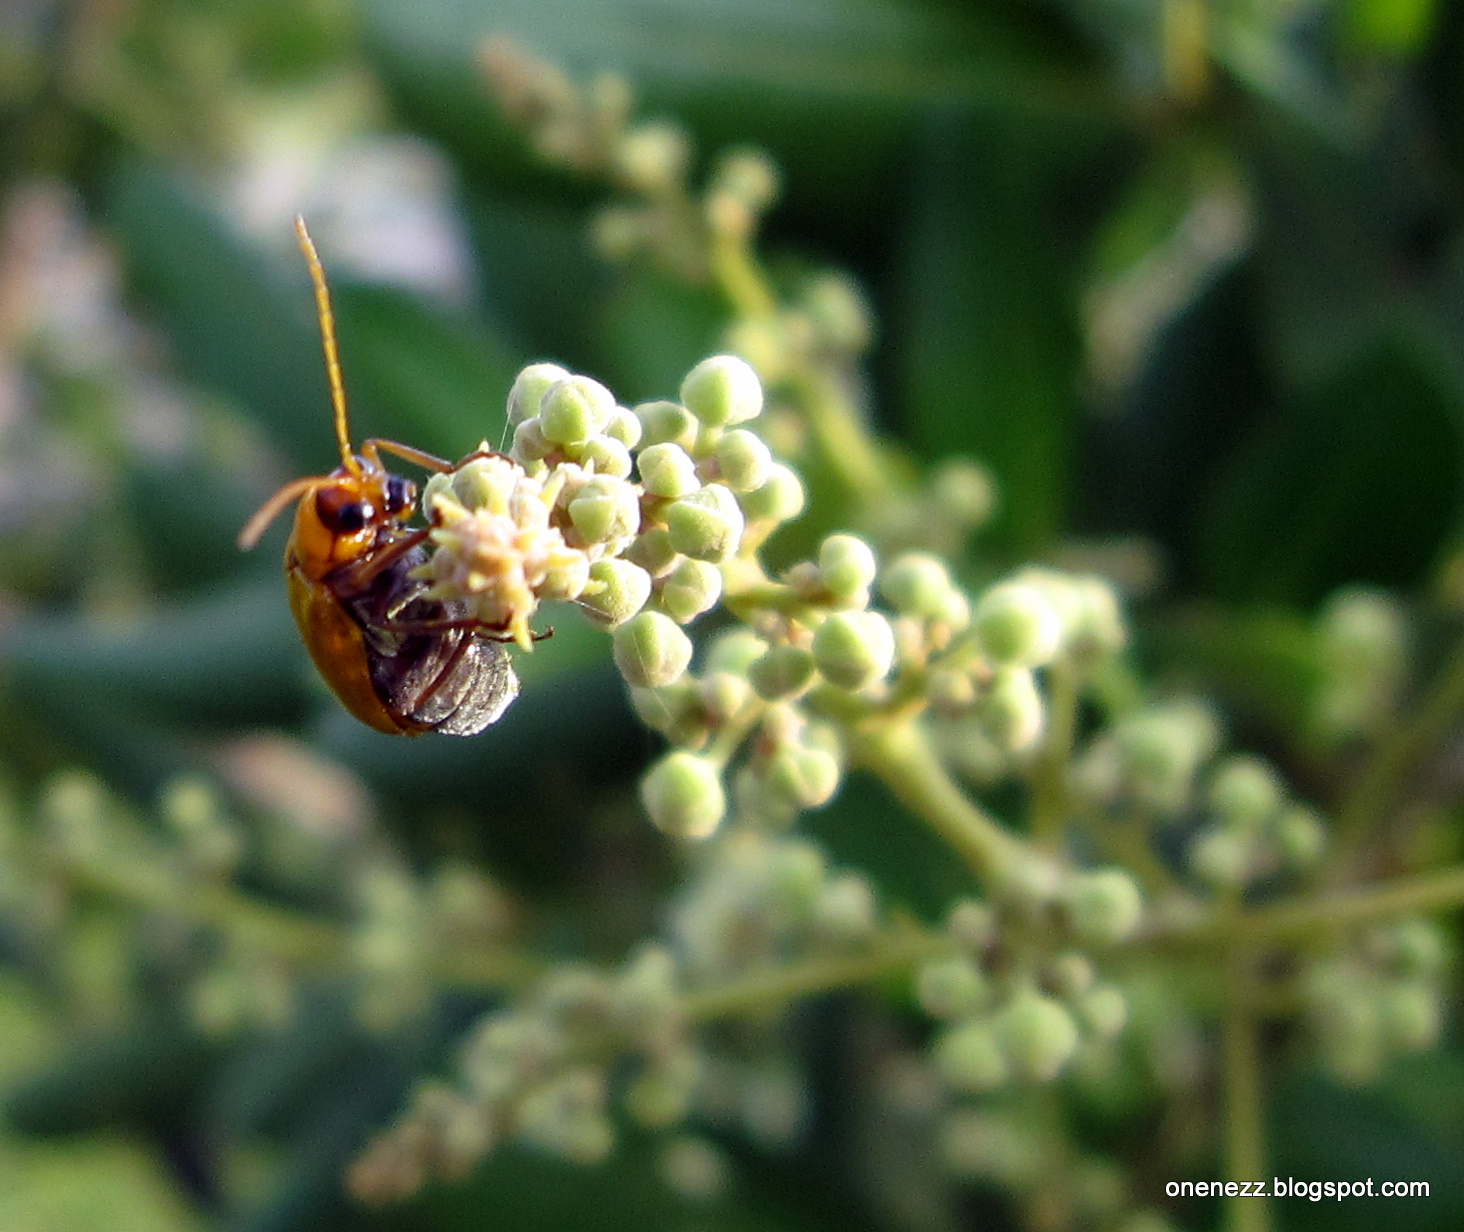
x: 482, y: 628
x: 357, y: 574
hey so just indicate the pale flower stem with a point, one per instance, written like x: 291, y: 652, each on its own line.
x: 1050, y: 770
x: 1244, y: 1112
x: 899, y: 753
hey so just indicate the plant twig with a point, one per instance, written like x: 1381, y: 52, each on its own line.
x: 1245, y: 1150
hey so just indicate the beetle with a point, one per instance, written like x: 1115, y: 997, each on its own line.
x: 399, y: 661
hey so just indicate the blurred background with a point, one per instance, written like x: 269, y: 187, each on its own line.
x: 1186, y: 275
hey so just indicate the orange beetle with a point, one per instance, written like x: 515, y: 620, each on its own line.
x: 400, y: 662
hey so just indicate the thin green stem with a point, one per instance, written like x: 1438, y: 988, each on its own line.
x: 1387, y: 771
x: 740, y: 277
x: 1245, y: 1149
x: 1050, y: 768
x: 901, y: 755
x: 842, y: 439
x: 776, y: 986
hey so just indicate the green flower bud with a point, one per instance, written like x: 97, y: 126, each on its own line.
x: 854, y: 649
x: 1103, y: 1010
x: 749, y: 175
x: 724, y: 695
x: 1011, y: 712
x: 666, y: 423
x: 1245, y: 791
x: 615, y: 592
x: 796, y: 874
x: 1095, y: 625
x: 650, y: 649
x: 916, y: 583
x: 743, y: 459
x: 1222, y: 857
x: 963, y: 490
x: 1018, y: 626
x: 1161, y: 748
x: 574, y: 409
x: 607, y: 455
x: 722, y: 390
x: 846, y: 910
x: 780, y: 499
x: 735, y: 651
x: 624, y: 426
x: 567, y: 579
x: 1301, y: 837
x: 1364, y: 633
x: 838, y: 312
x: 606, y: 508
x: 683, y: 794
x: 671, y: 708
x: 667, y: 470
x: 1104, y: 906
x: 784, y: 671
x: 529, y: 388
x: 691, y: 588
x: 1418, y: 950
x: 653, y: 552
x: 971, y: 1059
x: 804, y: 778
x: 529, y: 443
x: 846, y: 566
x: 707, y: 524
x: 1410, y: 1015
x: 660, y: 1095
x: 652, y: 157
x: 1038, y: 1036
x: 971, y: 925
x: 1069, y: 975
x: 951, y: 987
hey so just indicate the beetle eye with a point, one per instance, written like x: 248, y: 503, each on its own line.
x: 400, y: 493
x: 341, y: 513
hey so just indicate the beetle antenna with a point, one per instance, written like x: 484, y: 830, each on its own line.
x: 272, y: 508
x: 328, y: 340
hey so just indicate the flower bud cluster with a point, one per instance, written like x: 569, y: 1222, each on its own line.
x: 1006, y: 1021
x: 1148, y: 762
x: 1362, y: 640
x: 1383, y: 997
x: 561, y: 517
x: 1253, y: 831
x: 540, y: 1073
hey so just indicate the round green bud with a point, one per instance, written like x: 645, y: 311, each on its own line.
x: 780, y: 499
x: 846, y: 566
x: 743, y: 459
x: 1103, y: 1010
x: 854, y: 649
x: 722, y: 390
x: 1245, y: 791
x: 707, y: 524
x: 951, y: 987
x: 1017, y: 625
x: 615, y: 592
x: 1011, y: 712
x: 1038, y: 1036
x: 971, y: 925
x: 917, y: 584
x: 1104, y: 906
x: 1301, y: 836
x: 668, y: 707
x: 963, y: 490
x: 971, y: 1058
x: 796, y: 873
x: 735, y: 651
x: 1068, y: 975
x: 660, y: 1095
x: 1095, y: 625
x: 652, y: 157
x: 784, y: 671
x: 683, y: 795
x: 1410, y: 1015
x: 724, y: 695
x: 653, y: 552
x: 1160, y: 749
x: 574, y: 409
x: 666, y: 423
x: 749, y: 175
x: 529, y: 388
x: 624, y: 426
x: 650, y: 649
x: 529, y: 442
x: 567, y: 579
x: 667, y: 470
x: 1418, y: 949
x: 607, y: 455
x: 1222, y: 857
x: 606, y: 508
x: 803, y: 778
x: 846, y: 910
x: 691, y: 588
x: 838, y: 312
x: 1364, y: 632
